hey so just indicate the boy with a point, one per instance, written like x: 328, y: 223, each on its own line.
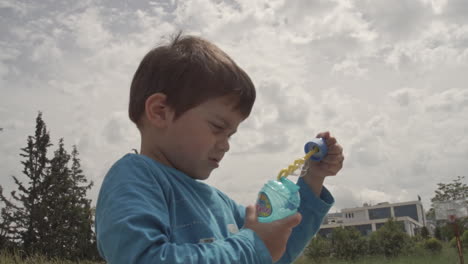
x: 187, y: 99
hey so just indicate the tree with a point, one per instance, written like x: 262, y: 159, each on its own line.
x: 55, y: 204
x: 6, y: 225
x: 69, y: 217
x: 82, y: 220
x: 26, y: 216
x: 50, y: 214
x: 456, y: 190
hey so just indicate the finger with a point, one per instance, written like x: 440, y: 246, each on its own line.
x: 331, y: 169
x: 251, y: 214
x: 333, y: 159
x: 291, y: 221
x: 330, y: 141
x: 323, y: 135
x: 335, y: 149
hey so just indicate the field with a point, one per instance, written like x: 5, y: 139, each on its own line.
x: 10, y: 259
x: 447, y: 256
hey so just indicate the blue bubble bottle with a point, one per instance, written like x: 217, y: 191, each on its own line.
x: 277, y: 200
x: 280, y: 198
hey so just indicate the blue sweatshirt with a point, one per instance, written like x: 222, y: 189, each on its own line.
x: 150, y: 213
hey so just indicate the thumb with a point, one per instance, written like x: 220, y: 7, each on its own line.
x: 291, y: 221
x: 251, y: 214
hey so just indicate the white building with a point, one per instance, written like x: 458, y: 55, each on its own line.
x: 368, y: 219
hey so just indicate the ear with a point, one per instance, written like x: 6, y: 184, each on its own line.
x: 157, y: 111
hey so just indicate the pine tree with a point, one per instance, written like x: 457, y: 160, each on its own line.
x: 82, y: 243
x: 50, y: 214
x: 69, y: 231
x: 6, y: 225
x: 56, y: 204
x: 26, y: 216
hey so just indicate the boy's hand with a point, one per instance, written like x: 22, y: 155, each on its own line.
x: 330, y: 164
x: 275, y: 234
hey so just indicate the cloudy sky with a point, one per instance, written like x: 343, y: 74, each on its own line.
x: 387, y: 78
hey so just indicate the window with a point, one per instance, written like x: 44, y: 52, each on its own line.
x: 406, y: 210
x: 364, y: 229
x: 379, y: 213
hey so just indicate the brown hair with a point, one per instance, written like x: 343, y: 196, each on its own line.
x: 189, y: 71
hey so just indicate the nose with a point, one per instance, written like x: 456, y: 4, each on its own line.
x: 223, y: 144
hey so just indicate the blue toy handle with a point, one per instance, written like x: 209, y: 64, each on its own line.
x: 320, y: 144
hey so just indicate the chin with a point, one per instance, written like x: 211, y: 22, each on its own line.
x: 202, y: 176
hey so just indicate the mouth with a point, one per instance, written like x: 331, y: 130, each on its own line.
x: 215, y: 161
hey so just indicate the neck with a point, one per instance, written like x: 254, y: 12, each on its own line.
x: 154, y: 151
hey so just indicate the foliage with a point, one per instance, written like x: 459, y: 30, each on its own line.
x: 422, y: 256
x: 451, y: 191
x: 50, y: 214
x: 453, y: 242
x: 445, y: 231
x: 318, y: 248
x: 24, y: 217
x: 464, y: 239
x: 424, y: 232
x: 433, y: 245
x: 347, y: 243
x: 438, y: 233
x: 6, y: 224
x: 16, y: 258
x: 390, y: 240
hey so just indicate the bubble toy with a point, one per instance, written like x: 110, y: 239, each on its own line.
x: 280, y: 198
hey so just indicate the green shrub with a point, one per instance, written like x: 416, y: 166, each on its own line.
x: 433, y: 245
x: 417, y: 249
x: 424, y: 232
x: 464, y: 239
x: 348, y: 243
x: 453, y: 242
x: 390, y: 240
x: 318, y: 248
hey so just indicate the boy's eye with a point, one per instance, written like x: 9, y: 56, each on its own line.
x: 216, y: 126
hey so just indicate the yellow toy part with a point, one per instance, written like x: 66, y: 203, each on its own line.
x: 297, y: 163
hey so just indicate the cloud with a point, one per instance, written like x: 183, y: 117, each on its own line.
x: 386, y: 78
x: 88, y: 30
x: 351, y: 68
x: 118, y: 128
x: 453, y: 100
x: 404, y: 96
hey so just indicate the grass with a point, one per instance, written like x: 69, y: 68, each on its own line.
x: 6, y: 258
x: 447, y: 256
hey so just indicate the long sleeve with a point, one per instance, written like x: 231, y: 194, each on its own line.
x: 313, y: 209
x: 133, y: 225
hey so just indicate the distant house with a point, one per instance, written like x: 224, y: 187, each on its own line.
x: 370, y: 218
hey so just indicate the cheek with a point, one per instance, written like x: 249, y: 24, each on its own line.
x: 197, y: 140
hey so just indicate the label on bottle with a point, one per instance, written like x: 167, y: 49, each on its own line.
x: 263, y: 205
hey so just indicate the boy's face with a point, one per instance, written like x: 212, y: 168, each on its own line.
x: 197, y: 141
